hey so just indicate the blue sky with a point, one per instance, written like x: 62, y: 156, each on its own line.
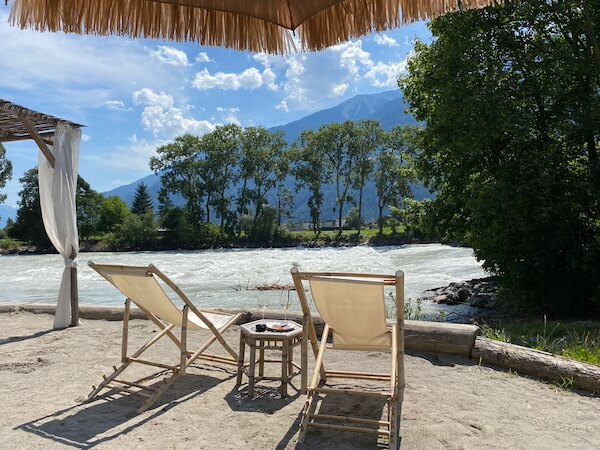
x: 135, y: 95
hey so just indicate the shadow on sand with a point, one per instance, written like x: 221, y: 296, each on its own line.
x: 90, y: 424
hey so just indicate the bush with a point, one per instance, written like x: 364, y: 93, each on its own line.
x: 136, y: 232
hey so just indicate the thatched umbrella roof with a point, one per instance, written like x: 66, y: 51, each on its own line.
x: 254, y: 25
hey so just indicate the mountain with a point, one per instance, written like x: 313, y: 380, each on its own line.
x: 127, y: 191
x: 387, y: 107
x: 7, y: 212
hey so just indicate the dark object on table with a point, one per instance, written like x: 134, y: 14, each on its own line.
x: 260, y: 327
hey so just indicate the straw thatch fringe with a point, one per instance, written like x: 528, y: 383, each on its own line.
x: 258, y: 27
x: 141, y: 18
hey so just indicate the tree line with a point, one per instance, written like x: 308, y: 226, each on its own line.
x: 224, y: 179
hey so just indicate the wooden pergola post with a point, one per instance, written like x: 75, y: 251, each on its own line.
x: 17, y: 124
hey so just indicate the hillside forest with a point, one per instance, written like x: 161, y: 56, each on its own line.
x: 507, y: 101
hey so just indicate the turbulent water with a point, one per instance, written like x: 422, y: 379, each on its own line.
x: 221, y: 278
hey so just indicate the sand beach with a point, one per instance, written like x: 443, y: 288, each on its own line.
x: 450, y: 402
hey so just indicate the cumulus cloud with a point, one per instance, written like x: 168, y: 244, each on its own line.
x: 162, y: 118
x: 170, y: 56
x: 385, y: 40
x: 352, y: 56
x: 383, y: 75
x: 249, y: 79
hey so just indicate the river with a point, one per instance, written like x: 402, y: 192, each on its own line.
x: 220, y: 278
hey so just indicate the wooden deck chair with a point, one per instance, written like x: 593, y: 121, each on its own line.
x: 140, y: 285
x: 353, y: 308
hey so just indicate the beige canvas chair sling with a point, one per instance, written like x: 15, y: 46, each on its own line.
x: 140, y: 285
x: 352, y: 305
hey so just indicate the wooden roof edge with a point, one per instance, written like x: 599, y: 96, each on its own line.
x: 7, y: 106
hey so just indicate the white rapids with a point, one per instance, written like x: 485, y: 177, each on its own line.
x: 221, y: 278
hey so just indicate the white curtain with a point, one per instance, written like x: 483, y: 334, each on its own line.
x: 57, y: 198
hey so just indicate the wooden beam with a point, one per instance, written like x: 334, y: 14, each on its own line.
x: 44, y: 136
x: 38, y: 140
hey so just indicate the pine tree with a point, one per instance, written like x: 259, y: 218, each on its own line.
x: 142, y: 203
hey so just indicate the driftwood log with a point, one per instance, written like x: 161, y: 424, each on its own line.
x: 536, y: 363
x: 421, y: 336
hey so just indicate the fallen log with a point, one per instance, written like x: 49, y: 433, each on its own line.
x: 537, y: 363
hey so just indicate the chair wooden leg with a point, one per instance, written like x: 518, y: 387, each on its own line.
x: 261, y: 359
x: 251, y: 369
x: 241, y: 355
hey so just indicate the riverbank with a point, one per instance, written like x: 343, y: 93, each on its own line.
x: 449, y: 401
x: 349, y: 238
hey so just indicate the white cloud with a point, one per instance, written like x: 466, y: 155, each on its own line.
x: 352, y: 56
x: 170, y: 56
x: 249, y: 79
x: 85, y: 137
x: 283, y: 106
x: 203, y: 58
x: 338, y: 90
x: 83, y: 71
x: 116, y: 105
x: 383, y: 75
x: 162, y: 118
x: 382, y: 39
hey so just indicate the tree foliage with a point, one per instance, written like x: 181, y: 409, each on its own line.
x: 5, y: 171
x: 510, y: 99
x: 28, y: 225
x: 142, y: 203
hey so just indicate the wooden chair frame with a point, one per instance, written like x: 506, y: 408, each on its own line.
x: 151, y: 393
x: 394, y: 397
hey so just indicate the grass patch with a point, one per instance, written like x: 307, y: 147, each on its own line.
x: 10, y: 245
x: 574, y: 340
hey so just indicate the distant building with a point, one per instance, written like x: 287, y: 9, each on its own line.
x: 300, y: 226
x: 331, y: 224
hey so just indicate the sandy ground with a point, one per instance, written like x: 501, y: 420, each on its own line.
x: 449, y: 402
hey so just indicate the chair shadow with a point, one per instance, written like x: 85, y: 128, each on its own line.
x: 13, y: 339
x: 340, y: 405
x: 90, y: 424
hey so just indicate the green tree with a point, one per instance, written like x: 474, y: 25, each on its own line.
x: 365, y: 138
x: 353, y: 220
x: 510, y: 99
x: 28, y: 225
x: 5, y: 171
x: 180, y: 173
x: 89, y: 204
x: 222, y: 147
x: 333, y: 140
x: 393, y: 169
x: 142, y: 203
x: 311, y: 173
x: 260, y: 166
x: 113, y: 213
x: 136, y: 232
